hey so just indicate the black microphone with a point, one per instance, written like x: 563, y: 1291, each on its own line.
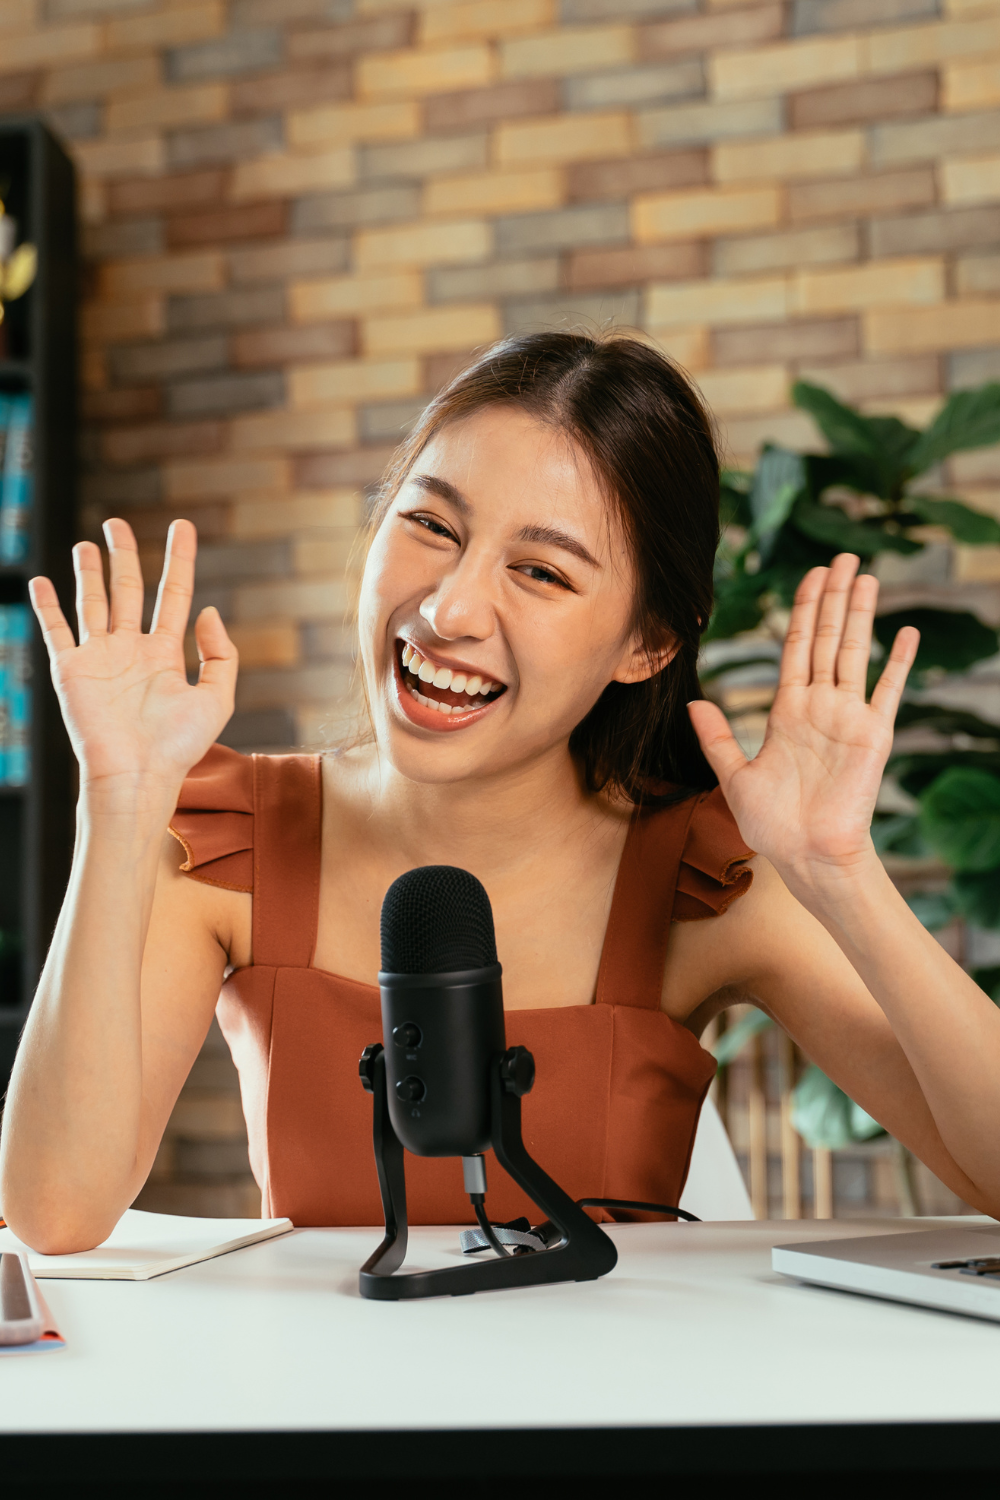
x: 442, y: 1011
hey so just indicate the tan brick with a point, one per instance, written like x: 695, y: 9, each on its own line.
x: 634, y: 265
x: 341, y: 124
x: 352, y: 296
x: 286, y: 174
x: 977, y: 273
x: 742, y: 436
x: 971, y: 85
x: 135, y: 445
x: 812, y: 155
x: 292, y: 88
x: 882, y: 283
x: 353, y: 380
x: 917, y: 411
x: 690, y: 347
x: 196, y: 104
x: 571, y: 49
x: 120, y: 158
x: 495, y: 192
x: 303, y: 512
x: 869, y: 99
x: 843, y: 198
x: 502, y: 101
x: 444, y: 244
x: 643, y: 174
x: 225, y: 476
x: 131, y: 405
x: 101, y: 79
x: 970, y: 179
x: 49, y: 45
x: 830, y: 338
x: 171, y: 27
x: 431, y: 330
x: 950, y: 325
x: 756, y: 388
x: 785, y: 66
x: 18, y: 16
x: 283, y: 346
x: 288, y: 257
x: 893, y: 49
x: 346, y: 39
x: 112, y: 322
x: 153, y: 194
x: 205, y: 272
x: 217, y: 225
x: 462, y: 20
x: 744, y: 28
x: 680, y: 216
x: 717, y: 302
x: 878, y: 379
x: 333, y: 427
x: 327, y: 555
x: 382, y: 75
x: 272, y: 644
x: 441, y: 369
x: 976, y: 564
x: 774, y: 252
x: 571, y: 138
x: 322, y: 599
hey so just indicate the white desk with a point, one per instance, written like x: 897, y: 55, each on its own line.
x: 691, y: 1330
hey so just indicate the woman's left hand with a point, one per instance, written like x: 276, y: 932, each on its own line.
x: 806, y: 800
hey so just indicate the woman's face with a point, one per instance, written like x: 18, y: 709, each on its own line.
x: 496, y: 601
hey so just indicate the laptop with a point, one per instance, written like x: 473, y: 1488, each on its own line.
x: 955, y: 1269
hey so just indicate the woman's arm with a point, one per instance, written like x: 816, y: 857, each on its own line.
x: 127, y: 991
x: 806, y: 803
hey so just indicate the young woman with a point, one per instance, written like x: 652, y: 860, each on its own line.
x: 538, y: 578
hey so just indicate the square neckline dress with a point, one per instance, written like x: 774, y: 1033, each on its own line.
x: 619, y: 1083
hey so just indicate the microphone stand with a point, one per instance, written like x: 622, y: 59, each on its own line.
x: 576, y: 1249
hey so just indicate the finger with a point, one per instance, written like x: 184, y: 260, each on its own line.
x: 91, y: 597
x: 127, y: 590
x: 856, y: 646
x: 889, y: 688
x: 55, y: 632
x: 717, y: 740
x: 832, y: 614
x: 796, y: 654
x: 173, y: 597
x: 219, y: 658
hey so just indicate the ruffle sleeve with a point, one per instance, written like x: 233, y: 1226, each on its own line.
x: 214, y: 820
x: 713, y: 873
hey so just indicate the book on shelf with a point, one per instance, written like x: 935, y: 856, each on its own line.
x: 16, y: 477
x: 15, y: 694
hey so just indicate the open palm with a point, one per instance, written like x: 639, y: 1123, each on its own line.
x: 809, y: 795
x: 128, y: 706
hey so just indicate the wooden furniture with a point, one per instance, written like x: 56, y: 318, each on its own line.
x: 39, y: 357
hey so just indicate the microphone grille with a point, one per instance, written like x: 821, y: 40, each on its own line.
x: 437, y: 920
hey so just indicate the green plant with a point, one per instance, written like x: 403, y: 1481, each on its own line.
x: 868, y: 494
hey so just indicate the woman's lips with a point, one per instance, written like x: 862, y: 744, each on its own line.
x: 433, y: 718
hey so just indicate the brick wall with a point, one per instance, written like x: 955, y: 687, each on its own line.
x: 300, y: 216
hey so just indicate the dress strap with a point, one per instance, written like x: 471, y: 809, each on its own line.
x: 288, y: 822
x: 635, y: 944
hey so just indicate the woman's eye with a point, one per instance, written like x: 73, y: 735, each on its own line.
x: 542, y: 575
x: 434, y: 527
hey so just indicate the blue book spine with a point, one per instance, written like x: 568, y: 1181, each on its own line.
x: 18, y: 483
x: 19, y: 696
x: 5, y: 648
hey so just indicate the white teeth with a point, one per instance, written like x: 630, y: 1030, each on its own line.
x: 458, y: 682
x: 415, y: 663
x: 426, y: 672
x: 442, y: 677
x: 473, y: 685
x: 407, y: 655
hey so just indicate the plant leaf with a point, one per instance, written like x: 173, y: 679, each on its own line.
x: 732, y: 1041
x: 778, y: 479
x: 960, y: 818
x: 988, y: 979
x: 829, y: 524
x: 899, y: 833
x: 945, y: 720
x: 916, y: 769
x: 932, y: 909
x: 977, y: 897
x: 968, y: 419
x: 737, y: 606
x: 949, y: 638
x: 825, y: 1117
x: 885, y: 442
x: 973, y: 527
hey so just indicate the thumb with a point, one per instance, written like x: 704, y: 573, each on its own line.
x: 219, y: 658
x: 716, y: 739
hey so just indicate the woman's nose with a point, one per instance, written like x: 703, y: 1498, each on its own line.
x: 461, y: 604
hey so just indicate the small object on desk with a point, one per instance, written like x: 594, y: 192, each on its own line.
x: 143, y: 1245
x: 26, y: 1325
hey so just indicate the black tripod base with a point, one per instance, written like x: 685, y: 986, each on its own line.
x: 576, y: 1249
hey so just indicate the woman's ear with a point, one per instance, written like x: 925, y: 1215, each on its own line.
x: 639, y: 663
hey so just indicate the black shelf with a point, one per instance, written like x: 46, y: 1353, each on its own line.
x: 36, y: 820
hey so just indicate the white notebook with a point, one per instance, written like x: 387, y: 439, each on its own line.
x: 144, y: 1245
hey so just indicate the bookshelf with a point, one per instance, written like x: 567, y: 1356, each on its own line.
x: 38, y: 357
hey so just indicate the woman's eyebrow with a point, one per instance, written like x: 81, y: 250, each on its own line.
x: 549, y: 537
x: 436, y: 486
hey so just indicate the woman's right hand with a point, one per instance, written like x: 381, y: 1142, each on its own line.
x: 128, y: 706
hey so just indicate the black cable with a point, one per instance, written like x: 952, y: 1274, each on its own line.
x: 649, y: 1208
x: 478, y: 1201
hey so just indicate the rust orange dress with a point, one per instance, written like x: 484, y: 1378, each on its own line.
x: 619, y: 1084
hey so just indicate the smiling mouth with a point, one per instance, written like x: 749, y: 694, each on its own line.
x: 441, y: 688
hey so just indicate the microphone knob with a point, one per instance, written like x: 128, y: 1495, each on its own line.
x: 410, y: 1090
x: 408, y: 1035
x: 517, y: 1071
x: 366, y: 1067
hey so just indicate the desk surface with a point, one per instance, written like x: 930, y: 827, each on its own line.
x: 691, y: 1328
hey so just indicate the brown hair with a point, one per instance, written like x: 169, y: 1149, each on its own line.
x: 649, y: 440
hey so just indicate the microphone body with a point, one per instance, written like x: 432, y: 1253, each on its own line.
x: 442, y: 1032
